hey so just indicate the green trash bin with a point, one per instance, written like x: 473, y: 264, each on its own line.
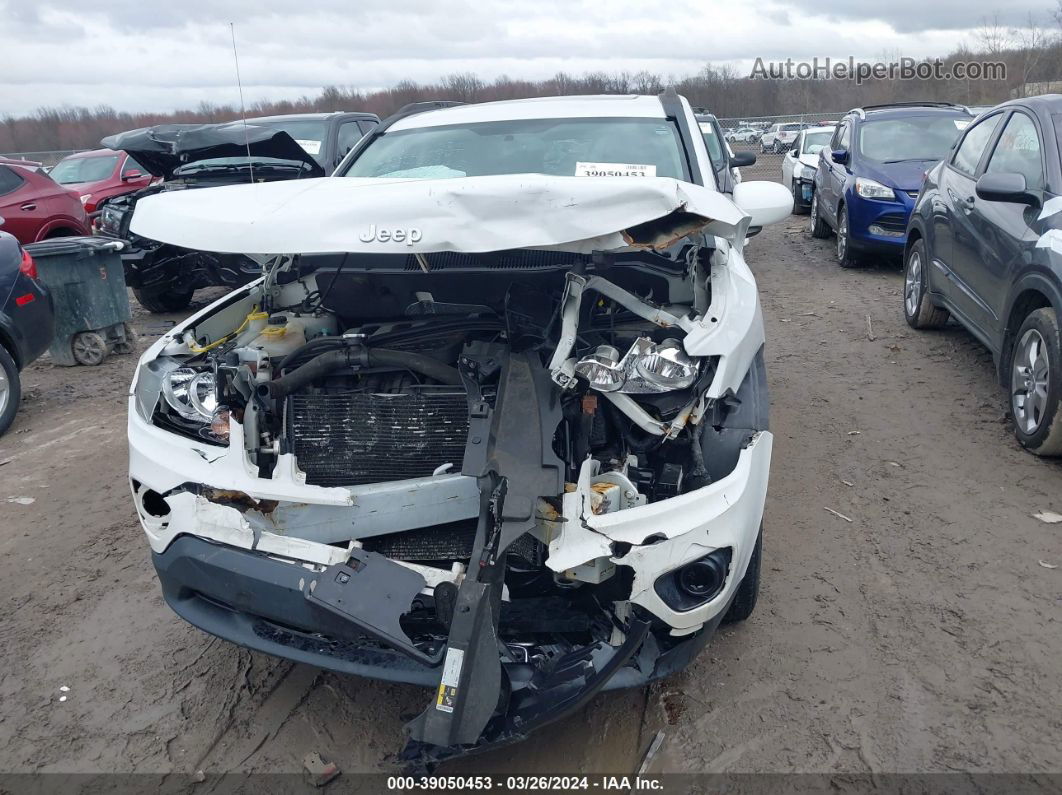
x: 87, y: 284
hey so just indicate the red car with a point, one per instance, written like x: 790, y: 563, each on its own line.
x: 100, y: 175
x: 34, y: 207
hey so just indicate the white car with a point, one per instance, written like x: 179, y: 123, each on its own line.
x: 493, y: 422
x: 780, y: 137
x: 745, y: 135
x: 800, y: 163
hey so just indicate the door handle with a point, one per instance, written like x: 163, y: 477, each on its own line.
x: 28, y: 206
x: 967, y: 204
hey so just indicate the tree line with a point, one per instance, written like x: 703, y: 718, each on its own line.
x: 1032, y: 55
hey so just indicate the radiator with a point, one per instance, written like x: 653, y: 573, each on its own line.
x: 353, y: 438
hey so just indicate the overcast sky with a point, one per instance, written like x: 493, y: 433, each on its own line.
x: 151, y: 55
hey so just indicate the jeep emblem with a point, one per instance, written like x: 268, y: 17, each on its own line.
x: 396, y: 235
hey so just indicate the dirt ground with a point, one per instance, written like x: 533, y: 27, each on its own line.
x: 922, y: 635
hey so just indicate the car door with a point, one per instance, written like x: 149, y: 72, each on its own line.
x: 789, y: 161
x: 1004, y: 230
x: 835, y: 174
x: 23, y: 211
x: 959, y: 243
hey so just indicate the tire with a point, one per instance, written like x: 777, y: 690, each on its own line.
x: 163, y: 301
x: 10, y: 390
x: 845, y: 257
x: 820, y: 230
x: 89, y: 348
x: 1035, y: 383
x: 748, y: 590
x: 917, y: 308
x: 798, y: 208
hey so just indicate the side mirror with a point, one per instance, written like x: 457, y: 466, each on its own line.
x: 1005, y: 187
x: 743, y: 159
x: 767, y: 202
x: 839, y: 156
x: 131, y: 175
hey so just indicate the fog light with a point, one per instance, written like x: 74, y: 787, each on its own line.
x: 881, y: 231
x: 702, y: 578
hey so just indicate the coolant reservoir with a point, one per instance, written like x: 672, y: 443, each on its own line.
x: 281, y: 335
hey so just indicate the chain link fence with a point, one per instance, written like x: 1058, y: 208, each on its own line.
x: 770, y: 138
x: 47, y: 158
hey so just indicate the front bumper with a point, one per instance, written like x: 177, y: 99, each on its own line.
x: 803, y: 188
x: 259, y: 602
x: 878, y: 225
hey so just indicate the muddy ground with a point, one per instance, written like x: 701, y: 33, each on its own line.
x: 923, y: 635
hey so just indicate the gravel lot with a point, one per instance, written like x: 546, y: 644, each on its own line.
x: 923, y: 635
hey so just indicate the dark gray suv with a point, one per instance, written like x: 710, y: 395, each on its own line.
x: 984, y: 245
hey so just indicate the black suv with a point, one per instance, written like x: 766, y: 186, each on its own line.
x: 984, y: 245
x: 184, y: 156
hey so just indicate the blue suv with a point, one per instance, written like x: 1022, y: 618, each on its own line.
x: 869, y: 176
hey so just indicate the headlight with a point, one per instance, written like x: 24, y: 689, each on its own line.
x: 647, y: 368
x: 602, y: 369
x: 869, y: 189
x: 806, y: 172
x: 191, y: 393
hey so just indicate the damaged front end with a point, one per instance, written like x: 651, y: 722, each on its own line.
x: 516, y: 476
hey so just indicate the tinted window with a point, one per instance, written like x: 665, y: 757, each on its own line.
x: 973, y: 145
x: 349, y: 134
x: 560, y: 147
x: 9, y: 180
x: 83, y: 169
x: 925, y: 137
x: 1018, y: 152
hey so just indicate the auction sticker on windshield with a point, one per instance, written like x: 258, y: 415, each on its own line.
x: 614, y: 170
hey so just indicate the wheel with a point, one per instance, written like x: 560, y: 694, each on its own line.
x: 798, y: 208
x: 917, y: 307
x: 1036, y: 384
x: 128, y: 345
x: 748, y: 589
x: 89, y: 348
x: 159, y: 301
x: 845, y: 258
x: 819, y: 229
x: 10, y: 390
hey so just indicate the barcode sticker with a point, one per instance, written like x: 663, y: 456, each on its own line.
x: 451, y: 675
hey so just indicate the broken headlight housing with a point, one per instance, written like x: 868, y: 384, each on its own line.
x: 192, y: 398
x: 649, y: 367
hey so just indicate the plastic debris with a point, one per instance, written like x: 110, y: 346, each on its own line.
x: 835, y: 513
x: 1047, y: 565
x: 62, y: 698
x: 21, y: 500
x: 1048, y: 517
x: 64, y: 689
x: 321, y: 772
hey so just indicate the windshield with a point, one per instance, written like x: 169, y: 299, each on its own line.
x: 558, y: 147
x: 927, y: 137
x: 83, y: 169
x: 308, y: 133
x: 813, y: 142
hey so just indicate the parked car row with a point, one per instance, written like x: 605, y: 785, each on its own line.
x: 973, y: 206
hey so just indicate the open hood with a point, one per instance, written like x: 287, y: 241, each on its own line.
x: 165, y: 147
x: 466, y: 214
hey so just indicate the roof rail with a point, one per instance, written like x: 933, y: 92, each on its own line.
x: 862, y: 111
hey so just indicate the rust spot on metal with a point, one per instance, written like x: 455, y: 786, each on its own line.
x: 241, y: 501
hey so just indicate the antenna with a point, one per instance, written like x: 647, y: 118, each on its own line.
x: 243, y: 111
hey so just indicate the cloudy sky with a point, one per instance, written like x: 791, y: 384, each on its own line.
x: 152, y: 55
